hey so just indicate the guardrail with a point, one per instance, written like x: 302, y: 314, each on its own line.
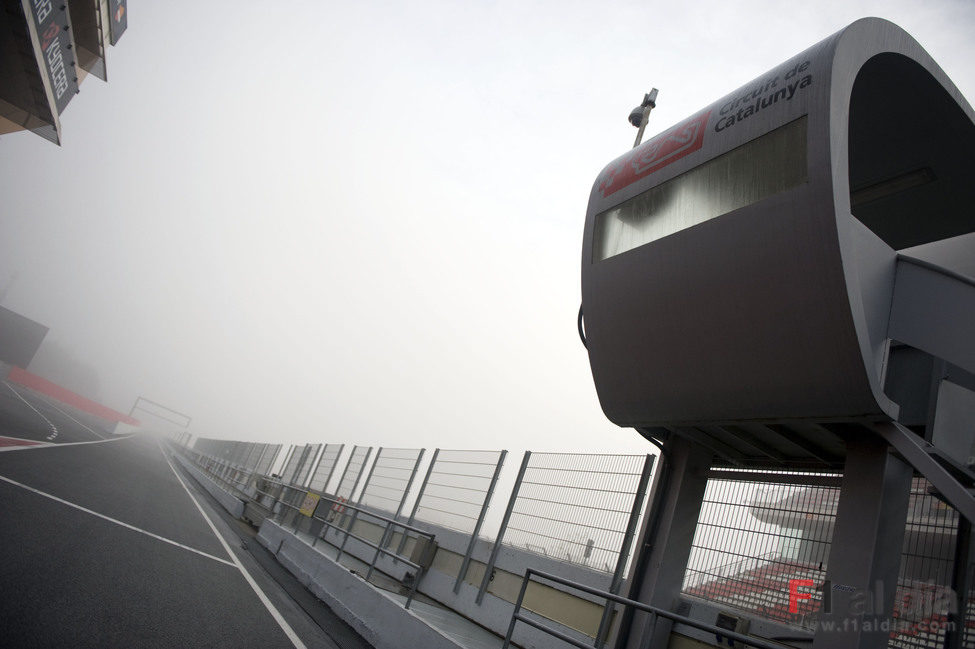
x: 390, y: 525
x: 516, y: 615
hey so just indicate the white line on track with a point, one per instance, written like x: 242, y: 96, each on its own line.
x: 54, y: 429
x: 113, y: 520
x: 53, y: 405
x: 288, y: 631
x: 34, y: 444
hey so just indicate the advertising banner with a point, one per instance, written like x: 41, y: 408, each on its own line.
x: 118, y: 19
x: 51, y: 20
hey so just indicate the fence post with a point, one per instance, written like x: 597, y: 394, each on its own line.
x: 332, y: 469
x: 614, y: 587
x: 514, y: 614
x: 313, y: 465
x: 287, y: 458
x: 423, y: 486
x: 372, y: 470
x: 399, y: 510
x: 358, y: 477
x: 355, y: 517
x: 489, y: 568
x: 480, y: 521
x: 419, y: 497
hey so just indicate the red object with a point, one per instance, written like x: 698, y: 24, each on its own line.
x: 654, y: 154
x: 13, y: 441
x: 795, y: 595
x: 38, y: 384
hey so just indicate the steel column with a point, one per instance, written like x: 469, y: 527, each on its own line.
x: 638, y: 499
x: 489, y: 568
x: 480, y: 521
x: 865, y: 554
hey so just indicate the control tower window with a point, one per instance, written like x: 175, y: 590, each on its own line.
x: 772, y: 163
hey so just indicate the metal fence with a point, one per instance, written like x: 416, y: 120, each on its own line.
x: 575, y: 507
x: 354, y: 468
x: 267, y: 459
x: 290, y: 514
x: 457, y: 488
x: 247, y: 456
x: 925, y: 598
x: 758, y: 530
x: 390, y: 479
x: 327, y: 462
x: 298, y: 467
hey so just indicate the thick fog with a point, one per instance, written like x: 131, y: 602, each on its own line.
x: 361, y: 222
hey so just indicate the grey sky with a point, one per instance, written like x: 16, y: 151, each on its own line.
x: 361, y: 222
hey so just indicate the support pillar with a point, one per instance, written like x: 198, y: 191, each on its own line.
x: 670, y: 547
x: 865, y: 555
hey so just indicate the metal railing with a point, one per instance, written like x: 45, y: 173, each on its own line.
x: 389, y: 528
x: 223, y: 472
x: 756, y: 530
x: 516, y: 615
x: 553, y: 492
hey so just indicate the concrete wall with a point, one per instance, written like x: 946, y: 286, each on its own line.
x: 576, y: 611
x: 229, y: 502
x: 381, y: 621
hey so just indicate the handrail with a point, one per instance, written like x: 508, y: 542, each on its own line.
x: 348, y: 533
x: 364, y: 510
x: 659, y: 612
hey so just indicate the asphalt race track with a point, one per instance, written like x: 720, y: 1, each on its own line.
x: 29, y: 415
x: 107, y: 543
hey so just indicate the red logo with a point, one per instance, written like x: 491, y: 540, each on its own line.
x: 795, y: 595
x: 49, y: 34
x: 655, y: 154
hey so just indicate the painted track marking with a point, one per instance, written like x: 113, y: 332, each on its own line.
x: 288, y: 631
x: 54, y: 429
x: 53, y: 405
x: 35, y: 444
x: 114, y: 520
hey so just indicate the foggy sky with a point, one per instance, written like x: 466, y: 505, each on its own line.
x: 361, y: 222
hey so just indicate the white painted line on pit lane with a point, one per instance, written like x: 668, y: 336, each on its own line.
x: 54, y: 429
x: 288, y: 631
x: 116, y: 521
x: 53, y: 405
x: 37, y: 444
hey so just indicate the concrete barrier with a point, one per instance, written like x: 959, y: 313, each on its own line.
x: 380, y: 620
x: 231, y: 503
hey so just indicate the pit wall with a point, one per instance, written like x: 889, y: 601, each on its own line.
x: 229, y: 502
x: 578, y: 612
x: 575, y: 613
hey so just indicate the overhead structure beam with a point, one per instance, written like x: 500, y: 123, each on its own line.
x: 914, y: 450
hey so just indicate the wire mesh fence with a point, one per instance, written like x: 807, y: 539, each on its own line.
x: 575, y: 507
x: 252, y: 455
x: 267, y: 459
x: 457, y: 486
x: 353, y: 471
x: 326, y: 467
x: 296, y: 471
x: 390, y: 478
x: 756, y: 533
x: 925, y: 598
